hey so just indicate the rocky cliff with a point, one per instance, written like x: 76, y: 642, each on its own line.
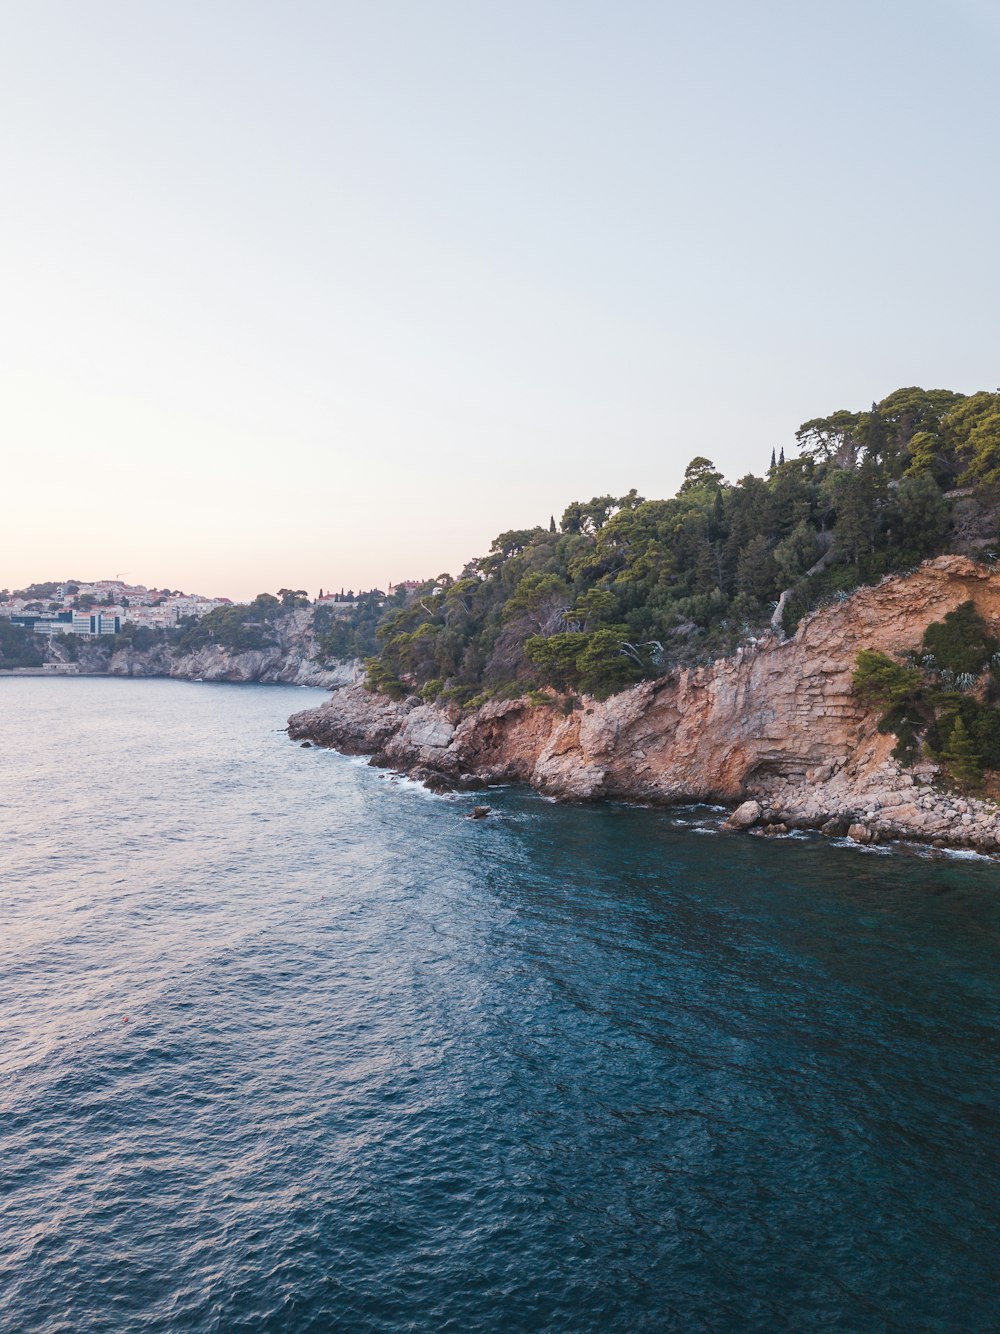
x: 777, y: 724
x: 290, y: 660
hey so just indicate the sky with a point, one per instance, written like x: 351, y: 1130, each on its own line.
x: 329, y: 294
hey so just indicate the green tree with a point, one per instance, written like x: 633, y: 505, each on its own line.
x: 604, y: 666
x: 879, y: 679
x: 756, y: 573
x: 797, y: 552
x: 964, y: 763
x: 910, y: 411
x: 557, y: 656
x: 380, y: 680
x: 961, y: 643
x: 700, y: 475
x: 923, y: 516
x: 930, y: 456
x: 541, y: 599
x: 591, y: 517
x: 834, y: 439
x: 592, y: 607
x: 791, y: 500
x: 512, y: 542
x: 856, y: 523
x: 973, y: 428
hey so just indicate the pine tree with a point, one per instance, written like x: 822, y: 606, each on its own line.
x: 962, y: 759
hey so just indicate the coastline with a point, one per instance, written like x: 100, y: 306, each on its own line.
x: 775, y: 732
x: 28, y: 673
x: 292, y: 663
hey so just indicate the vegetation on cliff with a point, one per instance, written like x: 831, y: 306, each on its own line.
x: 624, y: 587
x: 241, y: 627
x: 18, y: 648
x: 944, y: 699
x: 351, y: 633
x: 238, y: 628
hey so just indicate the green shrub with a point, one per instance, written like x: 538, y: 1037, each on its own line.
x: 539, y: 699
x: 879, y: 679
x: 380, y: 681
x: 960, y: 643
x: 906, y: 724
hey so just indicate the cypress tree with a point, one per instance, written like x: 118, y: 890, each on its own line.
x: 773, y: 461
x: 961, y: 757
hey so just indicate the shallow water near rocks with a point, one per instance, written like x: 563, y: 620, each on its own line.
x: 389, y: 1069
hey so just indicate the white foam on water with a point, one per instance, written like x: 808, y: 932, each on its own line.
x: 965, y: 854
x: 403, y: 783
x: 875, y: 849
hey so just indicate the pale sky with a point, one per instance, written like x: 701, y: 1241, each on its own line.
x: 331, y: 293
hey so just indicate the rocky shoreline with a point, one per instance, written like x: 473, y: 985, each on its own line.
x: 290, y: 660
x: 774, y: 731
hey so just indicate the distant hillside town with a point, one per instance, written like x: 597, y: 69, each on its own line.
x: 101, y: 607
x: 105, y: 606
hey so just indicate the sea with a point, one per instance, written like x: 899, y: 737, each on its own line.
x: 288, y: 1043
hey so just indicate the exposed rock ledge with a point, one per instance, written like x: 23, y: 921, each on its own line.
x: 776, y: 723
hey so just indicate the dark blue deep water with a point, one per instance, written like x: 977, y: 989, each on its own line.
x: 387, y: 1069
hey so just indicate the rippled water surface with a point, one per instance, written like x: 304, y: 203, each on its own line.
x: 387, y: 1069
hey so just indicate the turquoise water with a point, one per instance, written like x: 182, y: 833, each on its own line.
x: 388, y: 1069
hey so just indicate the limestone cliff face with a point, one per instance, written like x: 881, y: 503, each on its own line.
x: 266, y: 666
x: 289, y: 661
x: 776, y: 722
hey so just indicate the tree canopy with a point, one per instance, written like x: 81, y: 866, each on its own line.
x: 623, y: 587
